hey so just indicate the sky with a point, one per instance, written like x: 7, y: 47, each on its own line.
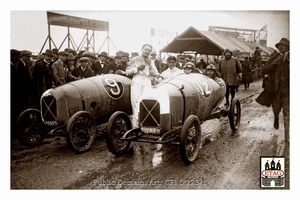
x: 130, y: 29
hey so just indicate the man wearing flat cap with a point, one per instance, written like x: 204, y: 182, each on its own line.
x: 101, y: 67
x: 124, y: 61
x: 83, y: 71
x: 279, y: 85
x: 70, y: 51
x: 59, y: 69
x: 23, y: 79
x: 119, y: 53
x: 116, y: 66
x: 43, y: 74
x: 110, y: 61
x: 23, y: 71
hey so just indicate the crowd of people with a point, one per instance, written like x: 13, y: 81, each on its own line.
x: 29, y: 79
x: 31, y: 76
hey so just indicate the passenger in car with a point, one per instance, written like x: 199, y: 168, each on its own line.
x: 189, y: 67
x: 172, y: 70
x: 211, y: 71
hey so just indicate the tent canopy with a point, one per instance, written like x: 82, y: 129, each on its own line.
x: 211, y: 43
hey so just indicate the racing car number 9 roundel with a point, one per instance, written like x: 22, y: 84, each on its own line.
x: 113, y: 87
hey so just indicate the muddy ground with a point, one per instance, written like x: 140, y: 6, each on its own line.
x: 226, y: 161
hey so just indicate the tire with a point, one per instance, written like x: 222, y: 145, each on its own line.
x: 118, y: 124
x: 234, y: 114
x: 81, y: 131
x: 29, y: 133
x: 190, y: 139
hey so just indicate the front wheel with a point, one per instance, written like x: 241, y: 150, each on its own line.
x: 81, y: 131
x: 235, y: 114
x: 190, y: 138
x: 118, y: 124
x: 30, y: 128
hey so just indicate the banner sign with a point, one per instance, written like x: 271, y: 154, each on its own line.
x: 76, y: 22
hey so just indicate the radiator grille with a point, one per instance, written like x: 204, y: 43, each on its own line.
x: 149, y: 113
x: 49, y: 111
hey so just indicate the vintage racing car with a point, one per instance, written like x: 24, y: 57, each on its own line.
x: 172, y: 113
x: 74, y: 110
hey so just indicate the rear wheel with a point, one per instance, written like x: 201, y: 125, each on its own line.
x: 234, y: 114
x: 190, y: 138
x: 30, y: 128
x: 81, y: 131
x: 118, y: 124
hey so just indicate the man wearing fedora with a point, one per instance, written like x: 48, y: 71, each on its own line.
x: 70, y: 65
x: 101, y: 67
x: 279, y: 85
x: 42, y: 73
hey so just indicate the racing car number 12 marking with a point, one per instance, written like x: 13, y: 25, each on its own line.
x: 205, y: 88
x: 113, y: 88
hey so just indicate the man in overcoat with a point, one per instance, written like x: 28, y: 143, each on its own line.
x: 231, y: 71
x: 279, y: 69
x: 59, y: 70
x: 101, y: 67
x: 23, y: 80
x: 83, y: 71
x: 42, y: 73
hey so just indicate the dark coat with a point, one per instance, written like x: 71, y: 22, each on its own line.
x: 201, y: 65
x: 123, y: 66
x: 88, y: 72
x: 42, y: 75
x: 98, y: 69
x: 178, y: 65
x: 23, y: 75
x: 114, y: 67
x: 275, y: 67
x: 247, y: 72
x: 23, y: 86
x: 229, y: 70
x: 274, y: 71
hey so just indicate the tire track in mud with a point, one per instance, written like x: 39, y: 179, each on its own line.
x: 256, y: 137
